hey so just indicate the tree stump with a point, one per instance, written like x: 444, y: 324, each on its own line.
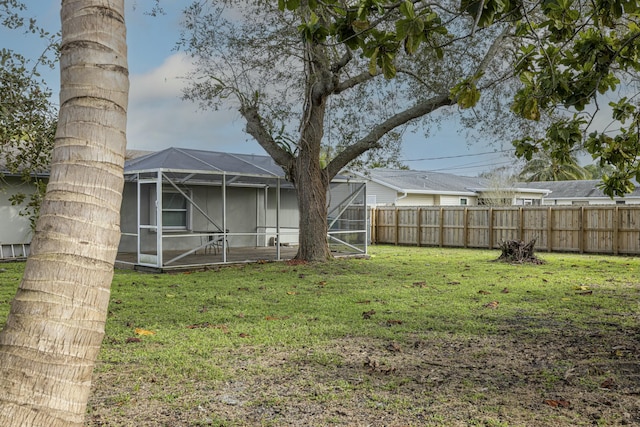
x: 516, y: 251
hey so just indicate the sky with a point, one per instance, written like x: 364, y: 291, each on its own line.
x: 159, y: 119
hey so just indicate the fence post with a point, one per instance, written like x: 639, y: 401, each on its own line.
x: 549, y: 228
x: 616, y: 225
x: 397, y: 230
x: 418, y: 226
x: 374, y: 225
x: 583, y: 234
x: 441, y: 226
x: 490, y: 228
x: 465, y: 219
x: 521, y: 224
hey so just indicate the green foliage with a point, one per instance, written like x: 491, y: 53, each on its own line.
x: 466, y: 93
x: 27, y: 116
x: 596, y: 171
x: 561, y: 139
x: 580, y: 51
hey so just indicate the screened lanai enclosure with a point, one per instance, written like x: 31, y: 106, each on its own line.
x: 187, y: 208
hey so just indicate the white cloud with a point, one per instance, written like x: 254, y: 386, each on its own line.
x: 158, y: 118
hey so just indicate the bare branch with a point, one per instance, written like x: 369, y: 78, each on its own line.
x: 371, y: 140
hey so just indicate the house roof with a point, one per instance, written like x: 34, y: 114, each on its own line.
x: 130, y: 154
x: 425, y: 182
x: 183, y: 159
x: 184, y: 165
x: 585, y: 189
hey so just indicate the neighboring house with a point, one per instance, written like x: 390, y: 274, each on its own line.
x: 398, y: 187
x: 15, y: 229
x: 585, y: 192
x: 15, y: 224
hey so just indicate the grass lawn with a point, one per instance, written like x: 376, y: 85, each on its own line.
x: 410, y: 337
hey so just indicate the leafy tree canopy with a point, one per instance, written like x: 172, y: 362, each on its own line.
x: 27, y: 115
x: 577, y: 53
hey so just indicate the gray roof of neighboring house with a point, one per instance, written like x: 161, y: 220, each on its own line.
x: 425, y: 182
x: 573, y: 189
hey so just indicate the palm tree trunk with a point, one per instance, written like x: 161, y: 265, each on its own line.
x: 55, y: 327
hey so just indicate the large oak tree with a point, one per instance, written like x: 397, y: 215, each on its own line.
x: 320, y: 83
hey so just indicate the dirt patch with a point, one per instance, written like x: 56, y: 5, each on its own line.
x: 564, y: 377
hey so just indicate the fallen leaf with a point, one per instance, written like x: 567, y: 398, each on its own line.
x: 558, y: 403
x: 275, y: 318
x: 364, y: 301
x: 170, y: 296
x: 420, y: 284
x: 393, y: 347
x: 388, y: 370
x: 291, y: 293
x: 581, y: 288
x: 584, y: 293
x: 453, y: 282
x: 141, y: 331
x: 322, y: 284
x: 368, y: 314
x: 484, y: 292
x: 372, y: 364
x: 394, y: 322
x: 608, y: 383
x: 133, y: 339
x: 243, y: 289
x: 492, y: 304
x: 243, y: 335
x: 505, y: 291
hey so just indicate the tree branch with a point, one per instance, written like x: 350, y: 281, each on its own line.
x: 344, y: 60
x: 371, y: 140
x: 353, y: 82
x: 256, y: 128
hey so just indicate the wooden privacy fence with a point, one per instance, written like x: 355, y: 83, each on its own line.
x: 583, y: 229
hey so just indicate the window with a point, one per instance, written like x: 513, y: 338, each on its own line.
x: 463, y: 201
x: 174, y: 211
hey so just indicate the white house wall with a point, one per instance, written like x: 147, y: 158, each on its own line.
x: 585, y: 202
x: 15, y: 228
x: 417, y: 200
x: 385, y: 196
x: 289, y: 217
x: 456, y: 200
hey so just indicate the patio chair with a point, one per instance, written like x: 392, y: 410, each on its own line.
x: 217, y: 241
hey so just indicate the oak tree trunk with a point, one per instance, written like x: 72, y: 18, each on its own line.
x: 55, y: 327
x: 312, y: 204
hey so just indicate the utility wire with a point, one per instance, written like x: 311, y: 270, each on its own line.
x: 456, y: 156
